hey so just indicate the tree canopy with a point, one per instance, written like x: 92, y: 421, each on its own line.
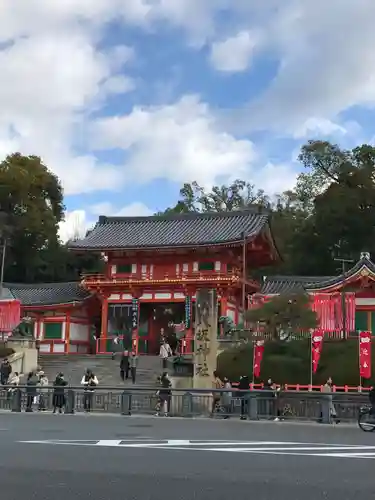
x: 328, y: 215
x: 283, y: 316
x: 31, y: 207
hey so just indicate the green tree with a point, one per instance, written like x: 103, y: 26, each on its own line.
x: 31, y: 198
x: 338, y: 193
x: 283, y: 316
x: 238, y: 195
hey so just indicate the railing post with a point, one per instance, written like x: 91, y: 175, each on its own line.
x: 70, y: 402
x: 16, y: 400
x: 187, y: 404
x: 252, y: 406
x: 126, y: 403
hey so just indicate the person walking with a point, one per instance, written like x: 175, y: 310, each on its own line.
x: 133, y: 363
x: 124, y: 366
x: 58, y: 400
x: 165, y: 352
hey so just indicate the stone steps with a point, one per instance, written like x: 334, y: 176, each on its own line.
x: 105, y: 368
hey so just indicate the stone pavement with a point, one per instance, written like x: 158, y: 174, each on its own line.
x: 93, y: 458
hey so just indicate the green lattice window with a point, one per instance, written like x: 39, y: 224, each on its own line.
x: 53, y: 330
x: 124, y: 268
x: 206, y: 266
x: 361, y: 323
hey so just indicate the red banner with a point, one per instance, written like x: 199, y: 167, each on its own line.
x: 257, y: 358
x: 10, y: 314
x: 316, y: 349
x: 365, y: 354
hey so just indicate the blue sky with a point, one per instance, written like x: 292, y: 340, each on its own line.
x: 125, y: 100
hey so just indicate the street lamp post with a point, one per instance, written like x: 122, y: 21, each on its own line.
x: 4, y: 246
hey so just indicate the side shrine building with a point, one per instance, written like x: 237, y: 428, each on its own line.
x: 345, y: 304
x: 153, y: 269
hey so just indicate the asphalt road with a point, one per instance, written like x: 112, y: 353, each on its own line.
x: 103, y: 457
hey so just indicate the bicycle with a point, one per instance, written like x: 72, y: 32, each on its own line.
x: 366, y: 419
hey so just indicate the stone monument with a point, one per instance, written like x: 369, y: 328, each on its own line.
x: 205, y: 338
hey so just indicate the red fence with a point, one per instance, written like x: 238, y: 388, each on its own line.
x: 314, y: 388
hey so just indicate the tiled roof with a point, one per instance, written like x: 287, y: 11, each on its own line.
x: 273, y: 285
x: 48, y: 293
x: 364, y: 263
x: 6, y: 294
x: 294, y: 284
x: 173, y: 230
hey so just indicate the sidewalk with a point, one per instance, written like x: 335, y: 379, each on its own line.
x: 230, y: 421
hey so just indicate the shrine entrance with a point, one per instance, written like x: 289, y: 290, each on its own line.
x: 155, y: 318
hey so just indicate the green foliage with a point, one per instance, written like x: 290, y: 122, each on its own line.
x: 289, y: 362
x: 31, y: 207
x: 283, y: 315
x: 338, y: 193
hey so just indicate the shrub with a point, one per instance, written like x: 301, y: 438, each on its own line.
x: 289, y: 362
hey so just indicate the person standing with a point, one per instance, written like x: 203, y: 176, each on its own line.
x: 327, y: 388
x: 43, y: 382
x: 124, y: 366
x: 133, y: 363
x: 5, y: 371
x: 164, y: 395
x: 31, y: 390
x: 243, y: 393
x: 89, y: 382
x: 58, y: 400
x: 165, y: 353
x: 216, y: 396
x: 226, y: 399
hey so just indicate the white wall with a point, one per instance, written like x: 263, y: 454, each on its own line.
x: 79, y: 332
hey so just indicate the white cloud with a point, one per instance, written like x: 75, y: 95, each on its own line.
x: 327, y: 63
x: 319, y: 126
x: 233, y: 54
x: 78, y: 222
x: 52, y: 76
x: 181, y: 142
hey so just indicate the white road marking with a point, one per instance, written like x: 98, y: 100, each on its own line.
x: 253, y: 447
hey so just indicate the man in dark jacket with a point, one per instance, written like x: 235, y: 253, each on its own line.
x: 5, y: 371
x: 244, y: 387
x: 124, y: 365
x: 371, y: 396
x: 31, y: 390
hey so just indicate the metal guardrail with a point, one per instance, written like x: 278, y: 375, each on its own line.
x: 252, y: 405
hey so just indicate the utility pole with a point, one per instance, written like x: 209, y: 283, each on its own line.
x: 343, y: 262
x: 4, y: 246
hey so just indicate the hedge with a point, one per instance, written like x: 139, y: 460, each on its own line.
x: 289, y: 362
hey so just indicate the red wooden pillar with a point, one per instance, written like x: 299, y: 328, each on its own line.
x: 223, y: 308
x: 67, y: 332
x: 104, y: 327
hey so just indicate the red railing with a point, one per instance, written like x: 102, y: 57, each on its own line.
x: 314, y: 388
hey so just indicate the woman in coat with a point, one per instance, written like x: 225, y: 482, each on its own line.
x: 58, y: 399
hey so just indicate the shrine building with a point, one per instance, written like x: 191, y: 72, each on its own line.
x: 154, y: 266
x: 345, y: 304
